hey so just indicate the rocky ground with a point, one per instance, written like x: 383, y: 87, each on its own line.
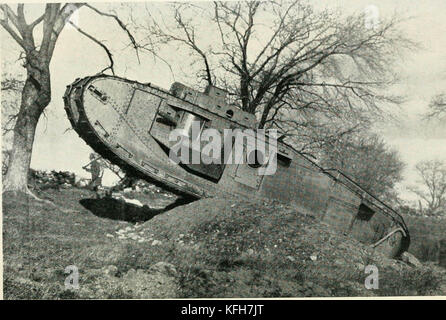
x: 207, y: 248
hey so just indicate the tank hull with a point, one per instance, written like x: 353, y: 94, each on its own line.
x: 129, y: 123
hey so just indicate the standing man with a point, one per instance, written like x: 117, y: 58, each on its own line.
x: 97, y: 171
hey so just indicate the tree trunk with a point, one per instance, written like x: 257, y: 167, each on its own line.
x: 35, y: 97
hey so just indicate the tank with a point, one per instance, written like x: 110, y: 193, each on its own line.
x: 131, y: 124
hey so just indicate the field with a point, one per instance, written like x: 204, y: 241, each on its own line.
x: 207, y: 248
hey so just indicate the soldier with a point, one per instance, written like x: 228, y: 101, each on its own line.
x: 96, y: 169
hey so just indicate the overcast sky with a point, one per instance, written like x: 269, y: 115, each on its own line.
x: 422, y: 73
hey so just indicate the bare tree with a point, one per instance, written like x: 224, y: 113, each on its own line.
x: 437, y: 108
x: 10, y: 83
x: 433, y: 181
x: 11, y: 86
x: 36, y: 92
x: 281, y: 60
x: 367, y: 159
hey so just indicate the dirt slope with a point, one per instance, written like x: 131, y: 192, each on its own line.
x: 208, y: 248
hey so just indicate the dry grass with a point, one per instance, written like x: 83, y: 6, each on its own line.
x: 220, y: 248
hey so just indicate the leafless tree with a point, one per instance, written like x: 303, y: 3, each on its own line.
x: 437, y: 108
x: 433, y: 181
x: 11, y: 87
x: 368, y: 160
x: 10, y: 83
x: 36, y: 92
x: 296, y: 68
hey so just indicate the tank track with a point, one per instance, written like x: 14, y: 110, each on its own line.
x: 86, y: 132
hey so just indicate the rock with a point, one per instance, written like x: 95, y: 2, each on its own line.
x: 313, y: 257
x: 411, y: 259
x: 131, y: 272
x: 156, y: 242
x: 142, y: 285
x: 291, y: 258
x: 133, y: 201
x: 105, y: 254
x: 133, y: 236
x: 116, y: 195
x: 80, y: 181
x: 110, y: 270
x: 164, y: 267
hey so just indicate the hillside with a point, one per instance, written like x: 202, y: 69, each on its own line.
x: 208, y: 248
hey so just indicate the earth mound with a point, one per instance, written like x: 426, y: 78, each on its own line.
x: 207, y: 248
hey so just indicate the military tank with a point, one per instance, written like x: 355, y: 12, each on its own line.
x: 130, y: 123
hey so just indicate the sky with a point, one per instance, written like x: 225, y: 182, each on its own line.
x: 422, y: 74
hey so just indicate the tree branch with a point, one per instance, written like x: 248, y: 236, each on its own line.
x: 120, y: 23
x: 37, y: 21
x: 54, y: 21
x: 9, y: 15
x: 12, y: 33
x: 107, y: 51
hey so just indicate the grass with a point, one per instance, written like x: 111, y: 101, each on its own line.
x: 409, y: 282
x: 219, y: 248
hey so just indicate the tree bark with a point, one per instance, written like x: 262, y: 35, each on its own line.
x: 36, y: 95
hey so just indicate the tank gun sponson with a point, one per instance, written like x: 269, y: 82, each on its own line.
x: 129, y: 123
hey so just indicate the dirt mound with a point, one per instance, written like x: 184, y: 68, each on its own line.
x: 270, y: 249
x: 208, y: 248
